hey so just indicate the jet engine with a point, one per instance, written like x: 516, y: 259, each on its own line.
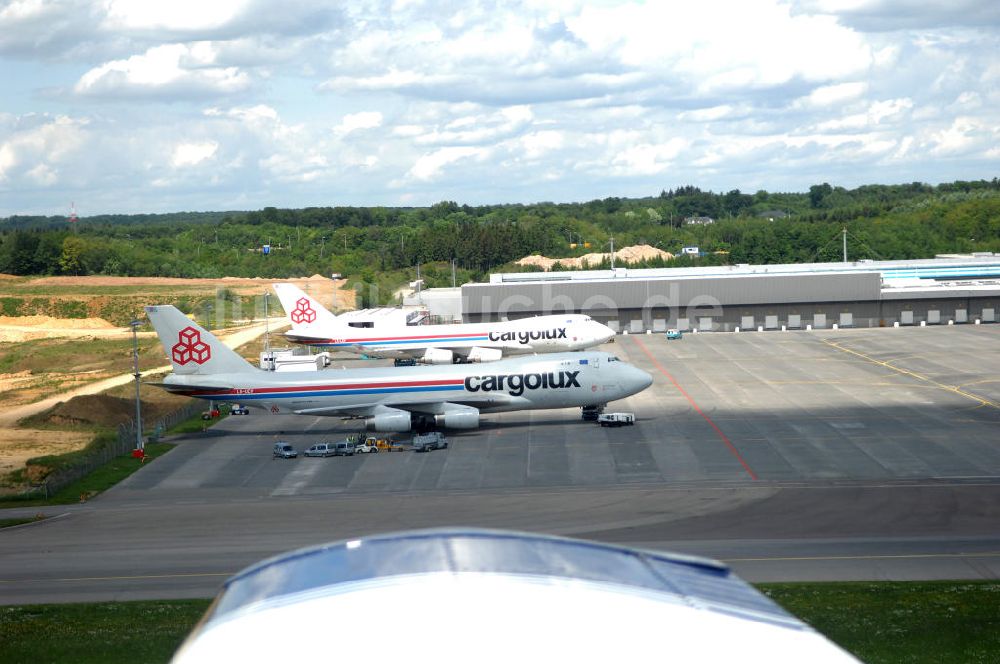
x: 456, y: 416
x: 464, y: 419
x: 437, y: 356
x: 478, y: 354
x: 392, y: 419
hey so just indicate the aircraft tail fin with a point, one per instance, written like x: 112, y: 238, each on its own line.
x: 302, y: 309
x: 191, y: 348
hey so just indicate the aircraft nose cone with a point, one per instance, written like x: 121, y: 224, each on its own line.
x: 645, y: 380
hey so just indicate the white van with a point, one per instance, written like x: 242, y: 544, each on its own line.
x: 283, y: 451
x: 320, y: 450
x: 344, y: 448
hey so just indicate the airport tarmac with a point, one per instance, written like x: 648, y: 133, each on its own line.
x: 855, y: 454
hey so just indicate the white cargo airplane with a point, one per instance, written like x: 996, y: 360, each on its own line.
x: 385, y: 398
x: 313, y: 325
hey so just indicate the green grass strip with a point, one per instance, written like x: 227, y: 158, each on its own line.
x: 101, y: 479
x: 934, y: 622
x: 103, y: 633
x: 892, y: 622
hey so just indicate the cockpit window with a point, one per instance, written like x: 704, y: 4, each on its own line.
x: 613, y: 358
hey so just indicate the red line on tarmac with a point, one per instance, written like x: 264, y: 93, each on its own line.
x: 724, y: 437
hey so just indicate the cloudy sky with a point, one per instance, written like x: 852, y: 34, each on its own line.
x: 126, y: 106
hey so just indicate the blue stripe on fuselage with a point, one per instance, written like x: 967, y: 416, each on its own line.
x: 335, y: 392
x: 423, y: 342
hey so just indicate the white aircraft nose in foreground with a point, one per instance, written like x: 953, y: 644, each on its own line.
x: 499, y: 596
x: 386, y: 398
x: 313, y: 325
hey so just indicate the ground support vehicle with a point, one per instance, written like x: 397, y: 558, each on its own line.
x: 236, y: 409
x: 283, y: 451
x: 616, y: 419
x: 320, y: 450
x: 674, y: 334
x: 432, y: 440
x: 366, y: 448
x: 590, y: 413
x: 380, y: 444
x: 344, y: 448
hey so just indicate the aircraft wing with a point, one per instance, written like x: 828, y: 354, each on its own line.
x: 381, y: 353
x: 203, y: 388
x: 408, y: 403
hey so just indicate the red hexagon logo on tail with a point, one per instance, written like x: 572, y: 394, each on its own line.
x: 303, y: 312
x: 190, y: 347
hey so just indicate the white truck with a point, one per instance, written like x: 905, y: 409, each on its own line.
x: 432, y: 440
x: 616, y: 419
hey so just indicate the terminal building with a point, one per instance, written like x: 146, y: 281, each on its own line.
x: 953, y: 289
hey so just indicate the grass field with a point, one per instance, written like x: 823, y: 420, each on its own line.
x: 932, y: 622
x: 100, y: 480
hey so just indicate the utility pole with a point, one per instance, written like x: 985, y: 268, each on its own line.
x: 267, y: 335
x: 452, y: 272
x: 612, y: 252
x: 845, y: 244
x: 135, y: 372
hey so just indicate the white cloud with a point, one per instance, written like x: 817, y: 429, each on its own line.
x: 431, y: 166
x: 840, y: 93
x: 191, y: 154
x: 963, y: 134
x: 647, y: 159
x: 537, y: 144
x: 170, y: 69
x: 34, y: 149
x: 187, y: 15
x: 356, y: 121
x: 251, y: 103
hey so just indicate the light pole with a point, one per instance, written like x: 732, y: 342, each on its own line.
x: 135, y: 366
x: 267, y: 330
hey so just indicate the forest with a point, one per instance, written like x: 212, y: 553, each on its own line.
x: 383, y: 245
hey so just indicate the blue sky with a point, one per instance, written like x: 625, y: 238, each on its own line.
x: 125, y: 106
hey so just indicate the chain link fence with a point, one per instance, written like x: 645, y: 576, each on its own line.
x: 114, y: 446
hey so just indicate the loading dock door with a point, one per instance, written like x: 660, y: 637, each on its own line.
x: 683, y: 325
x: 819, y: 321
x: 794, y: 321
x: 771, y: 322
x: 933, y: 317
x: 636, y: 327
x: 846, y: 319
x: 746, y: 322
x: 988, y: 316
x: 659, y: 325
x: 961, y: 315
x: 705, y: 324
x: 906, y: 318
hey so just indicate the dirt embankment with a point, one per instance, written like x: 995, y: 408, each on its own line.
x: 84, y: 352
x: 120, y: 299
x: 624, y: 256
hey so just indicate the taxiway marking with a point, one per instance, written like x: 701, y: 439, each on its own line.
x: 888, y: 365
x: 725, y: 439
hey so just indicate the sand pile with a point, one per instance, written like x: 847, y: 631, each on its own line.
x: 625, y: 256
x: 56, y: 323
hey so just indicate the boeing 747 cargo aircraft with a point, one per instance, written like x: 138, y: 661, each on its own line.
x: 386, y: 399
x: 439, y: 344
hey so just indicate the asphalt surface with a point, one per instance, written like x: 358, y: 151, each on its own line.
x: 857, y: 454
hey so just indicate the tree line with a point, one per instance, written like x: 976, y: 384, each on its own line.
x: 367, y: 243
